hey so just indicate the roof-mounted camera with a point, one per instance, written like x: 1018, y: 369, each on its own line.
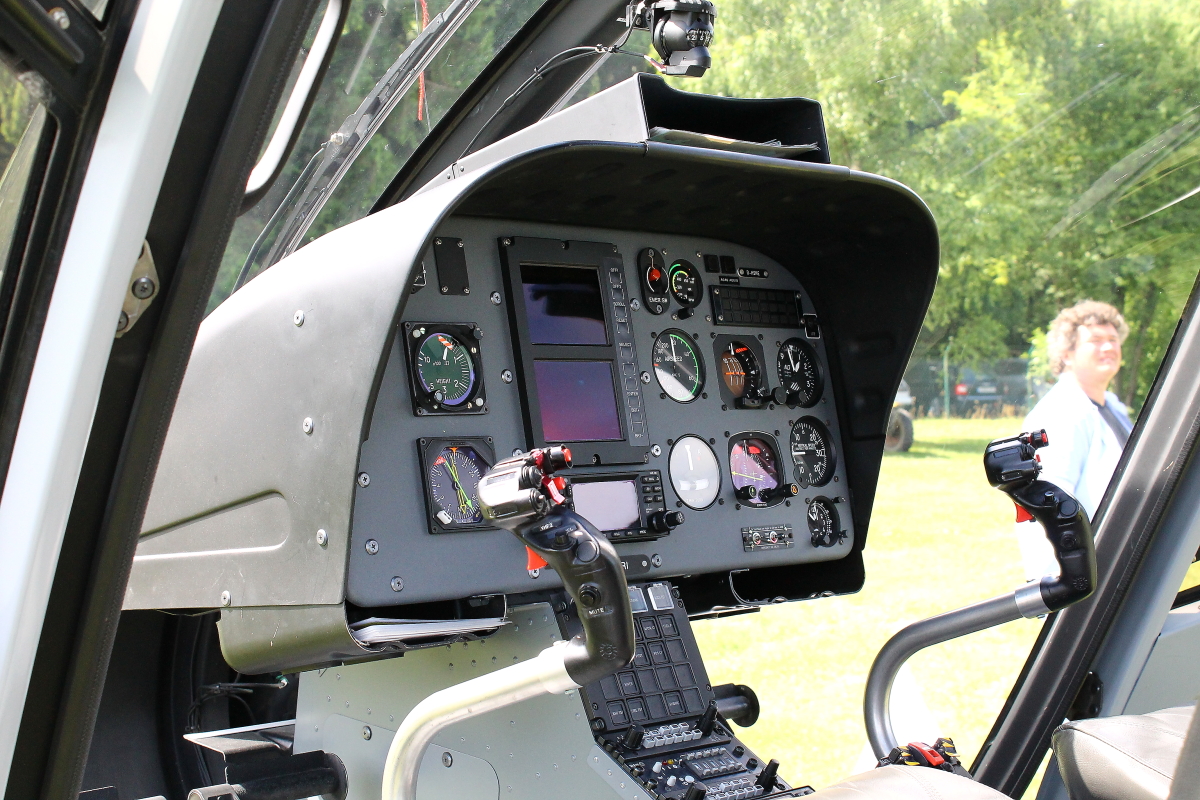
x: 680, y: 30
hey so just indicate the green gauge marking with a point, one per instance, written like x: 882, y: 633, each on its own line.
x: 678, y: 366
x: 445, y: 369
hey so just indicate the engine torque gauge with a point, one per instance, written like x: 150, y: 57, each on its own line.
x: 678, y: 366
x: 799, y: 373
x: 812, y: 451
x: 686, y: 286
x: 754, y: 469
x: 445, y: 371
x: 452, y: 469
x: 824, y: 527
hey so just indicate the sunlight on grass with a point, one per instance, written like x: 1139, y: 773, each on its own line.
x: 940, y: 538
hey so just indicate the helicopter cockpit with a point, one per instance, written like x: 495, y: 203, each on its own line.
x: 456, y: 479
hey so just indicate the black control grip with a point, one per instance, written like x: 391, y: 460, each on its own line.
x: 591, y: 571
x: 1012, y: 467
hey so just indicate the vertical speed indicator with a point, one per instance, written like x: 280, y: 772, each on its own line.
x: 812, y: 451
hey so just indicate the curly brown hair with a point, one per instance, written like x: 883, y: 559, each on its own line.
x: 1064, y: 331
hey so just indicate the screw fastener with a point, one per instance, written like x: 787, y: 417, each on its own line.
x: 364, y: 480
x: 645, y: 377
x: 307, y: 425
x: 226, y: 598
x: 142, y: 288
x: 322, y: 537
x: 495, y: 298
x: 372, y: 547
x: 366, y: 731
x: 506, y: 376
x: 447, y: 760
x: 655, y: 450
x: 60, y: 18
x: 397, y: 584
x: 298, y: 318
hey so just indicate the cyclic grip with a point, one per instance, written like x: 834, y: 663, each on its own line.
x: 523, y: 495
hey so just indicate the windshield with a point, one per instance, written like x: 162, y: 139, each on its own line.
x: 370, y: 95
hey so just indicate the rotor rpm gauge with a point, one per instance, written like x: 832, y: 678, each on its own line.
x: 446, y: 376
x: 754, y: 468
x: 799, y: 372
x: 812, y: 451
x: 686, y: 286
x: 452, y: 470
x: 678, y: 366
x: 824, y: 528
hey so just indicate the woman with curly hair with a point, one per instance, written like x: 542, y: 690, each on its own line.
x: 1087, y: 425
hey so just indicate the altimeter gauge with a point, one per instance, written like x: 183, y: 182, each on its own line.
x: 446, y: 375
x: 452, y: 469
x: 799, y: 373
x: 678, y: 366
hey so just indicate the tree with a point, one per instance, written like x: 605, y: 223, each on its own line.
x: 1056, y: 143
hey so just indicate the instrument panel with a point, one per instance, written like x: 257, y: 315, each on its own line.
x: 686, y: 375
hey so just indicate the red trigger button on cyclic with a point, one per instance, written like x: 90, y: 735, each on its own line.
x: 1023, y: 515
x: 533, y: 560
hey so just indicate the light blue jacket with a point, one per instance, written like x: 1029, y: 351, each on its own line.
x: 1083, y: 450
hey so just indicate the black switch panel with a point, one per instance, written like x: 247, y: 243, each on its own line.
x: 664, y: 692
x: 763, y: 308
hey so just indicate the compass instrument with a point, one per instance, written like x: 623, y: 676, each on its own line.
x: 812, y: 451
x: 446, y: 374
x: 452, y: 470
x: 824, y: 528
x: 754, y: 469
x: 678, y: 366
x: 799, y: 373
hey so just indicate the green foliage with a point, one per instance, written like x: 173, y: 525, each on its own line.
x: 16, y: 107
x: 373, y: 41
x: 1056, y: 142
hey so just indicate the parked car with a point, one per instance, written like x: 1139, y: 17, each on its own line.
x: 899, y: 436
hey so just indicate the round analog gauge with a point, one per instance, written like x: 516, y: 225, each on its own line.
x: 678, y: 366
x: 799, y: 372
x: 740, y: 370
x: 823, y: 525
x: 695, y: 473
x: 812, y: 452
x: 454, y: 479
x: 445, y: 369
x: 754, y: 468
x: 686, y: 286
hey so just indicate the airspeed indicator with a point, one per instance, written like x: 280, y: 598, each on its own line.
x: 678, y: 366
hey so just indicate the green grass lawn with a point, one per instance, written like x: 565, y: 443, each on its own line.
x: 940, y: 538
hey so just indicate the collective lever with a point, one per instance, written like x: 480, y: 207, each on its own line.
x: 1012, y: 467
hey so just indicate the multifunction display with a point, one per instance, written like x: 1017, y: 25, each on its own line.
x: 580, y: 381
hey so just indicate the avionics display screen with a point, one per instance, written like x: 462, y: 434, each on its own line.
x: 609, y: 505
x: 563, y: 305
x: 577, y: 400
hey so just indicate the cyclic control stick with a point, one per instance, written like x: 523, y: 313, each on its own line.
x: 523, y: 495
x: 1012, y: 466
